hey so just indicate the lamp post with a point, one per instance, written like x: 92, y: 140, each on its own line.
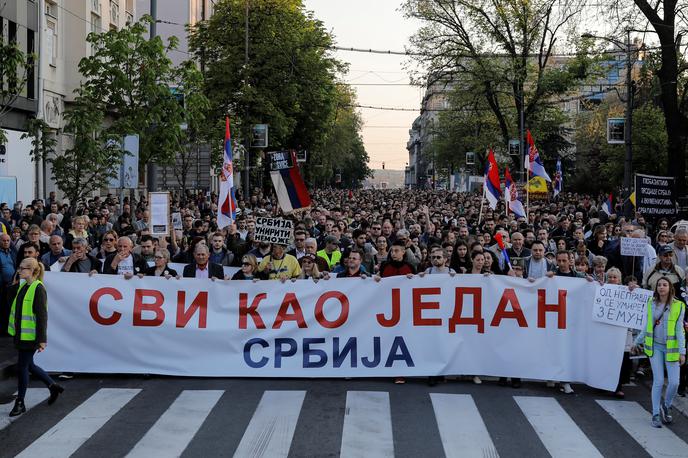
x: 628, y: 128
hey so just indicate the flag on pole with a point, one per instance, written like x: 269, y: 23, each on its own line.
x: 491, y: 184
x: 511, y: 196
x: 608, y: 205
x: 533, y: 162
x: 558, y: 184
x: 502, y: 246
x: 290, y: 188
x: 227, y: 202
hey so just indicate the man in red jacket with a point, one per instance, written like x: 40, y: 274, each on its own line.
x: 396, y: 264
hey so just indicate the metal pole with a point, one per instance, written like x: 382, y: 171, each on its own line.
x: 151, y: 168
x: 247, y: 144
x: 628, y: 161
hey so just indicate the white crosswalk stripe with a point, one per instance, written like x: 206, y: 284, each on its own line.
x: 171, y: 434
x: 462, y: 429
x: 635, y: 420
x: 557, y: 431
x: 367, y: 425
x: 63, y: 439
x: 271, y: 429
x: 34, y: 396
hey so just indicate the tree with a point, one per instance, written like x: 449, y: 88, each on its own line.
x: 502, y: 50
x: 343, y: 151
x: 197, y: 132
x: 289, y: 81
x: 130, y: 77
x: 663, y: 17
x: 600, y: 165
x: 94, y: 157
x: 14, y: 70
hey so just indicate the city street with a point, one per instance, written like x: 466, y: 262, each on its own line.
x: 159, y: 416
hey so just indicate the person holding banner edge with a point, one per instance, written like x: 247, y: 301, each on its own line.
x: 663, y: 341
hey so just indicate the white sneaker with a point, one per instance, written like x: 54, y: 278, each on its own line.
x: 550, y: 384
x: 566, y: 388
x: 477, y: 380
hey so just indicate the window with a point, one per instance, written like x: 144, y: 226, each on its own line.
x: 95, y: 28
x: 114, y: 12
x: 51, y: 42
x: 95, y: 6
x: 51, y: 9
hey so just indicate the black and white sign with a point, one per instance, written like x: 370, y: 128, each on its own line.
x: 654, y: 196
x: 274, y: 230
x: 160, y: 213
x: 280, y: 160
x: 260, y: 136
x: 631, y: 246
x: 619, y: 306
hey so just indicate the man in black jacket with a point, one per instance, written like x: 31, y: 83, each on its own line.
x: 80, y: 260
x: 201, y: 268
x: 124, y: 262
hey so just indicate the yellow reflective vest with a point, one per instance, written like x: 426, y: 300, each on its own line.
x: 27, y: 325
x: 672, y: 352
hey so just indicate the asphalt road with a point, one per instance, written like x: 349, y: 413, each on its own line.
x: 159, y: 416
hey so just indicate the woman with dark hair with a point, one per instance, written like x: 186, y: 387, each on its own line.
x: 460, y: 259
x: 598, y: 242
x: 664, y: 342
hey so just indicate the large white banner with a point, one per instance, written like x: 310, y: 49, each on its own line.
x: 467, y: 324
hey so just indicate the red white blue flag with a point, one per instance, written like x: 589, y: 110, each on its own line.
x: 290, y: 188
x: 608, y: 205
x: 227, y: 202
x: 492, y: 182
x: 558, y: 184
x: 533, y: 162
x: 511, y: 196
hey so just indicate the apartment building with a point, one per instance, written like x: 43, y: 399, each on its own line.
x: 19, y: 23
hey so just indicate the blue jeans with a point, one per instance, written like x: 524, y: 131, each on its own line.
x: 24, y: 366
x: 658, y: 362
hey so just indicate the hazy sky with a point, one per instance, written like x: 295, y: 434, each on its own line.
x: 376, y: 24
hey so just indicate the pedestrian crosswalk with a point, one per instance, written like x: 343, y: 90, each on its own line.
x: 368, y: 427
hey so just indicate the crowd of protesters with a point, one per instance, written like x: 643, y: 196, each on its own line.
x: 364, y: 233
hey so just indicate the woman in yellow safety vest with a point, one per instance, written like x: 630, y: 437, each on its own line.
x: 664, y: 342
x: 29, y: 324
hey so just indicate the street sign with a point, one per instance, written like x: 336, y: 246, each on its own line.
x: 301, y: 155
x: 514, y: 148
x: 616, y: 131
x: 260, y: 136
x: 280, y: 160
x: 470, y: 158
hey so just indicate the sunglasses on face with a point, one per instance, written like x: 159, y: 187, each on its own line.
x: 244, y: 264
x: 109, y: 240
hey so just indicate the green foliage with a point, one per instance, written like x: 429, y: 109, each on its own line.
x: 289, y: 83
x: 600, y: 166
x: 129, y: 77
x: 93, y: 159
x: 14, y: 68
x: 343, y: 152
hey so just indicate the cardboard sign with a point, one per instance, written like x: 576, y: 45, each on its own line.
x: 619, y: 306
x: 274, y: 230
x: 177, y: 221
x: 159, y: 213
x: 631, y: 246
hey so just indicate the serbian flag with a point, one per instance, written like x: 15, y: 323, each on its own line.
x: 491, y: 185
x: 608, y: 205
x: 290, y: 189
x: 227, y: 202
x: 511, y: 196
x: 558, y: 184
x: 500, y: 244
x: 533, y: 161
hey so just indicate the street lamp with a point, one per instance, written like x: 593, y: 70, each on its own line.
x: 628, y: 160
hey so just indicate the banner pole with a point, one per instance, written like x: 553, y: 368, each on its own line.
x: 482, y: 202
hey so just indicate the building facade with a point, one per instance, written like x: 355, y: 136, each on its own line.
x: 174, y: 15
x: 19, y: 23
